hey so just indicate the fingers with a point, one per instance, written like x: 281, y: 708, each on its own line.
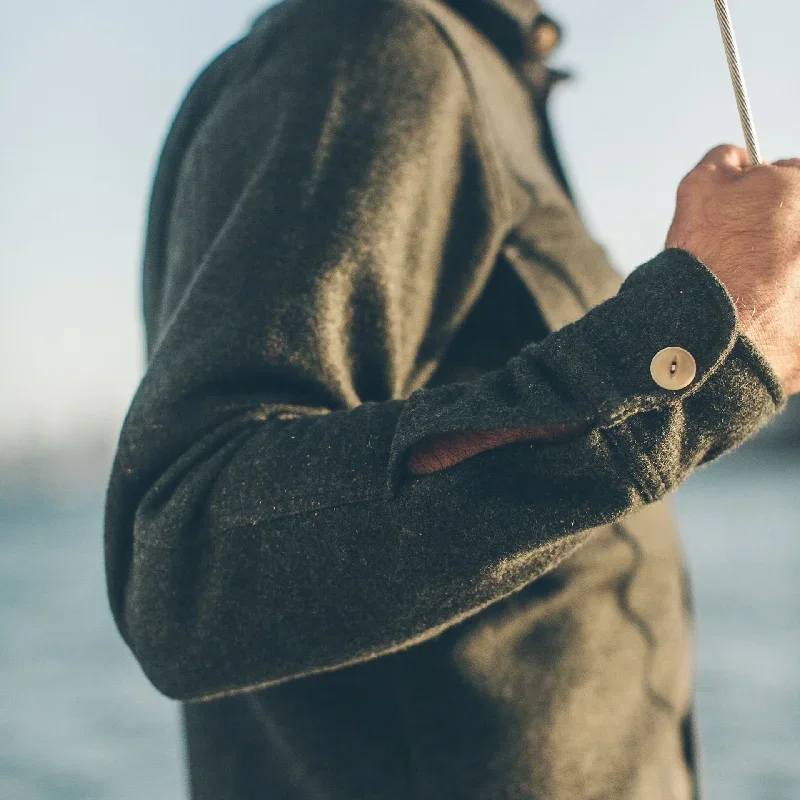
x: 726, y: 156
x: 723, y: 164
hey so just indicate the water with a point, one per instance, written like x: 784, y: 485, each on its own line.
x: 740, y: 521
x: 79, y: 719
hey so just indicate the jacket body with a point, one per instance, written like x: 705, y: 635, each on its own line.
x: 332, y: 279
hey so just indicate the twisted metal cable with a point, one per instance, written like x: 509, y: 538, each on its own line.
x: 739, y: 88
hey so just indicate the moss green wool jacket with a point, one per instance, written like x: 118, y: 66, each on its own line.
x: 360, y: 237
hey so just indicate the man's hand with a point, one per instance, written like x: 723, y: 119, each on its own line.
x: 743, y: 222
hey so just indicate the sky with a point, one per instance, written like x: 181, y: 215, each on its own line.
x: 90, y: 89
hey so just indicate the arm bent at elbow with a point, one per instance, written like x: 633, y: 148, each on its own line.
x: 262, y: 521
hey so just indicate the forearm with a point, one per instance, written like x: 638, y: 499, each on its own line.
x: 275, y: 548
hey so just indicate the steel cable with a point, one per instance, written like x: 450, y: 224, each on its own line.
x: 739, y: 87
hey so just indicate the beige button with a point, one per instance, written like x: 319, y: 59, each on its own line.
x: 673, y: 368
x: 544, y: 38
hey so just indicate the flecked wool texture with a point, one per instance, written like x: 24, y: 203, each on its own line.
x: 359, y: 238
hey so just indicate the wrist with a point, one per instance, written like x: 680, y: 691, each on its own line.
x: 760, y: 333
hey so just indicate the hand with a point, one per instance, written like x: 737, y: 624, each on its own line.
x: 743, y: 222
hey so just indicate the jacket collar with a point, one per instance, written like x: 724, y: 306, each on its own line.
x: 524, y: 12
x: 506, y: 23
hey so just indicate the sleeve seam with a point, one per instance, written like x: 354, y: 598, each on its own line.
x: 499, y: 193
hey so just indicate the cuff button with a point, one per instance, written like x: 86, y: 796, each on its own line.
x: 673, y: 368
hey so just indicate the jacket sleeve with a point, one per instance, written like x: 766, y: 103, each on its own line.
x: 260, y: 524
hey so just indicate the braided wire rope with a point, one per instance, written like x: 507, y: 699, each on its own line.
x: 739, y: 87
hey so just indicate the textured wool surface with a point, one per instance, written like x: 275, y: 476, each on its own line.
x: 359, y: 239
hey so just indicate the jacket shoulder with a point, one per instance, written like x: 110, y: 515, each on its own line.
x: 308, y: 30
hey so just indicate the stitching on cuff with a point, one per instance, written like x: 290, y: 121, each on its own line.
x: 758, y: 365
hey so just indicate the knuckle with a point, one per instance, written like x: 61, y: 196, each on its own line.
x: 725, y: 150
x: 723, y: 153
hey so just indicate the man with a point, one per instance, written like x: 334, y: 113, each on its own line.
x: 389, y: 511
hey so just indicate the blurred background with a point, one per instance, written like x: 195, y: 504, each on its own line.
x: 89, y: 91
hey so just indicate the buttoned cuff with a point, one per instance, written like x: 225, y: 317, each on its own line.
x: 599, y: 370
x: 672, y: 301
x: 675, y: 302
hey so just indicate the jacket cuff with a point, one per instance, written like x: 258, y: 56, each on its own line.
x: 597, y: 371
x: 674, y: 300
